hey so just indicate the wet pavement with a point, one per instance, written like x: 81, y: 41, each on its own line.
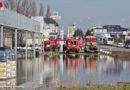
x: 47, y: 72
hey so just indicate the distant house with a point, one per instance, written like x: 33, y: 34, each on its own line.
x: 98, y: 31
x: 50, y: 28
x: 116, y: 31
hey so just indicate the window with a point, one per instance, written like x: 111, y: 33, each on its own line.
x: 110, y: 39
x: 53, y: 30
x: 47, y: 43
x: 73, y: 42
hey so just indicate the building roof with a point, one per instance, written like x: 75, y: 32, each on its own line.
x: 50, y: 21
x: 111, y: 26
x: 99, y: 28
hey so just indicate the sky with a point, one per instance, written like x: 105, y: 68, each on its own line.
x: 86, y: 14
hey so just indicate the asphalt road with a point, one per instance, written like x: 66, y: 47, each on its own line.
x: 113, y: 48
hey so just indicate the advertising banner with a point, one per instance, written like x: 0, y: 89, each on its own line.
x: 7, y: 69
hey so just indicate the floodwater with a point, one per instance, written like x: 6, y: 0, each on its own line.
x: 48, y: 72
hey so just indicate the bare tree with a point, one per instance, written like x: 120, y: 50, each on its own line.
x: 33, y: 9
x: 41, y: 11
x: 11, y: 4
x: 25, y: 7
x: 18, y: 6
x: 48, y: 14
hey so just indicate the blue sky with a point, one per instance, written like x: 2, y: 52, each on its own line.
x: 88, y: 13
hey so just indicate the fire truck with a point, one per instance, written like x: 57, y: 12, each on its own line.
x: 48, y: 45
x: 73, y: 45
x: 51, y: 45
x: 90, y: 44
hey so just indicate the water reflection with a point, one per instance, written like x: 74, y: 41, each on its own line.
x: 90, y: 63
x: 71, y: 69
x: 108, y: 65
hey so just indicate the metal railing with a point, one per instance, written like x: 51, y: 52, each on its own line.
x: 16, y: 20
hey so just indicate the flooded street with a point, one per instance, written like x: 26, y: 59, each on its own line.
x: 45, y: 72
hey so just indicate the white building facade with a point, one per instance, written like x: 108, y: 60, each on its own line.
x: 97, y: 31
x: 50, y: 28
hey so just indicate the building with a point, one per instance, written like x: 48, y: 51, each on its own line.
x: 127, y: 37
x: 50, y: 28
x: 116, y: 31
x: 39, y: 19
x: 99, y: 31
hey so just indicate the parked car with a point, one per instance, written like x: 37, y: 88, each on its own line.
x: 127, y: 45
x: 6, y: 54
x: 120, y: 44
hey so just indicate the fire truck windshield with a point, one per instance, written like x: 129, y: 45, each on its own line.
x: 110, y: 39
x: 90, y: 39
x: 47, y: 43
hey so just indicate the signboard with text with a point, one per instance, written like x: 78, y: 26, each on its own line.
x: 55, y: 16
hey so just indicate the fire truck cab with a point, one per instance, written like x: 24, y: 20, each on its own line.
x: 90, y: 44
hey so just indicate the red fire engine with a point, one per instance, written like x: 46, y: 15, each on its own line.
x: 90, y: 44
x: 73, y: 45
x: 51, y: 45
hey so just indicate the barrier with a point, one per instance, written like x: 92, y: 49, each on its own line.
x: 108, y: 52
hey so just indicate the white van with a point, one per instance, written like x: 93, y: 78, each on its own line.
x: 109, y: 41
